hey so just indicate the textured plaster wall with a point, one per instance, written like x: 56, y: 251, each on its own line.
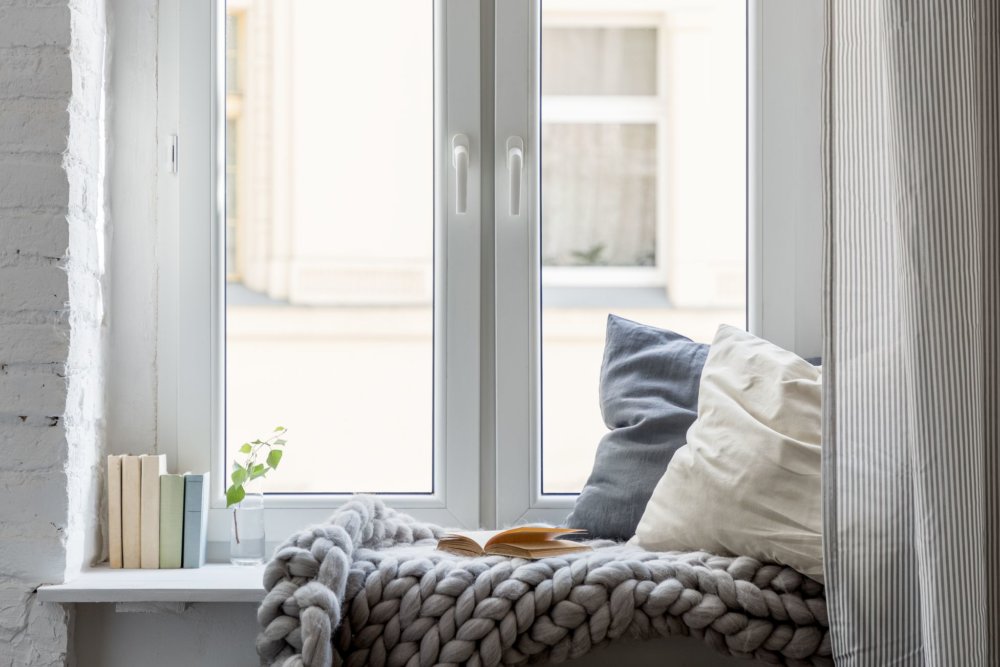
x: 52, y: 231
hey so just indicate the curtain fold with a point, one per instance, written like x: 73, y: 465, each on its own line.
x: 912, y: 302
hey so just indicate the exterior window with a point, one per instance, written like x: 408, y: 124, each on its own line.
x: 600, y: 196
x: 601, y: 115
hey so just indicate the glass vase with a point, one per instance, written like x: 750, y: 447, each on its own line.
x: 246, y: 529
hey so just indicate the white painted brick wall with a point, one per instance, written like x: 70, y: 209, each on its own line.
x: 29, y: 287
x: 34, y: 24
x: 52, y: 64
x: 33, y: 125
x: 32, y: 232
x: 41, y: 443
x: 32, y: 180
x: 32, y: 389
x: 40, y: 72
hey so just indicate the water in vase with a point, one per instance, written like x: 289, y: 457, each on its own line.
x: 246, y: 532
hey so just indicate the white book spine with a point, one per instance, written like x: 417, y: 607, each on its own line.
x: 131, y: 476
x: 149, y: 533
x: 115, y: 510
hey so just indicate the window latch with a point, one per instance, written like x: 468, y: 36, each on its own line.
x: 515, y: 164
x: 172, y: 157
x: 460, y: 160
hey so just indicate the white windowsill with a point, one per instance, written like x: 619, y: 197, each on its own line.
x: 215, y: 582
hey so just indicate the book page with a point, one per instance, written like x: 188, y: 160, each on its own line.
x: 520, y: 541
x: 480, y: 537
x: 469, y: 543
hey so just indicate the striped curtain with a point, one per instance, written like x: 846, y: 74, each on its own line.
x: 912, y: 303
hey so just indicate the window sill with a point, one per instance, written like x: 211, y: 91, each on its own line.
x: 215, y: 582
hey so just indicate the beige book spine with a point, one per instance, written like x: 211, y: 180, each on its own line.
x: 149, y: 513
x: 115, y: 510
x: 131, y: 482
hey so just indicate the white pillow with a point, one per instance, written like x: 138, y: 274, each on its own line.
x: 748, y: 480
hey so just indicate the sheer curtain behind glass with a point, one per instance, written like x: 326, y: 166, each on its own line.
x: 912, y: 449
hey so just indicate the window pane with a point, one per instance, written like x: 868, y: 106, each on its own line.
x: 646, y: 219
x: 599, y: 61
x: 600, y: 195
x: 329, y: 313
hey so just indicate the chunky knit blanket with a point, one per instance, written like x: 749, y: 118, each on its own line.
x: 368, y: 588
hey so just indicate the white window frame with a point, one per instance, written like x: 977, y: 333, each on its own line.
x: 784, y: 222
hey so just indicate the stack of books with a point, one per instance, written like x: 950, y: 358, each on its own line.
x: 155, y: 519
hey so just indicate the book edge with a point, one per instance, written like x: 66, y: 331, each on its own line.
x: 114, y: 472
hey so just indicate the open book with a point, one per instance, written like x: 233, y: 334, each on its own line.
x: 521, y: 542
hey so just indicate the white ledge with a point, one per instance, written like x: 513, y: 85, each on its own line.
x: 215, y: 582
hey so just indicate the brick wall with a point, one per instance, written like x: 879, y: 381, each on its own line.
x: 51, y: 311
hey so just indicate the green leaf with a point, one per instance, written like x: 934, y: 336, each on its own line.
x: 279, y: 428
x: 245, y: 449
x: 257, y: 471
x: 239, y: 475
x: 234, y: 494
x: 280, y: 442
x: 258, y: 442
x: 274, y: 458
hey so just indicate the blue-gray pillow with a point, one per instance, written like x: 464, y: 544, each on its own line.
x: 649, y: 399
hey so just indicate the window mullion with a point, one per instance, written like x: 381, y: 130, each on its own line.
x: 457, y: 257
x: 516, y: 260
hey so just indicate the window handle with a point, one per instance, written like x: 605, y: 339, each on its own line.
x: 515, y: 163
x: 460, y: 160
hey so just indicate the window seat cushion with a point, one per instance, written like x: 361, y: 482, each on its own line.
x: 369, y: 587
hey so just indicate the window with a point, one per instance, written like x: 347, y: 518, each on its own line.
x: 602, y: 112
x: 420, y: 214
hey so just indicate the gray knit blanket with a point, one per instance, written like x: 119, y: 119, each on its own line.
x: 369, y: 588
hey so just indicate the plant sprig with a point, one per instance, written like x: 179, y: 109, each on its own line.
x: 270, y: 449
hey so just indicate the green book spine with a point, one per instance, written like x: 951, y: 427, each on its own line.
x: 171, y: 520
